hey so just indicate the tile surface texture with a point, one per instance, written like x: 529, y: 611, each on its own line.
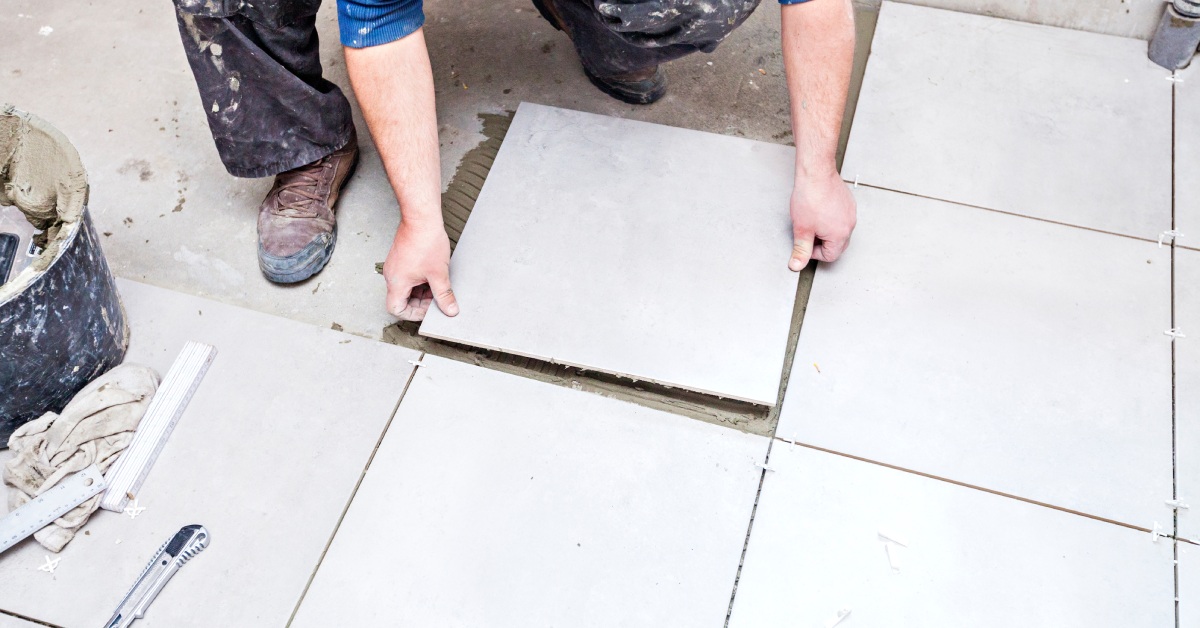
x: 1187, y: 153
x: 971, y: 558
x: 1189, y: 585
x: 8, y: 621
x: 503, y: 502
x: 1002, y: 352
x: 1057, y: 124
x: 631, y: 248
x: 1187, y: 391
x: 265, y: 456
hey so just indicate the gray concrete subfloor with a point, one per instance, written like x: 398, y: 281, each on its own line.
x: 113, y: 77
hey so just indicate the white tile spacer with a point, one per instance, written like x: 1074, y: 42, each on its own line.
x: 1169, y: 233
x: 764, y: 467
x: 841, y: 615
x: 1175, y: 332
x: 1175, y: 78
x: 1177, y: 504
x: 1156, y: 533
x: 416, y: 363
x: 134, y: 510
x: 856, y: 181
x: 50, y: 565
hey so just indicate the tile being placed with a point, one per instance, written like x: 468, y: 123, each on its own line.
x: 1052, y: 123
x: 499, y: 501
x: 631, y: 248
x: 832, y: 534
x: 1187, y: 391
x: 1013, y: 354
x: 266, y: 456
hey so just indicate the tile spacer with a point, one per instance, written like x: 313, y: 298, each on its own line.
x: 1169, y: 233
x: 1175, y: 78
x: 416, y: 363
x: 1156, y: 533
x: 1177, y: 504
x: 1175, y: 332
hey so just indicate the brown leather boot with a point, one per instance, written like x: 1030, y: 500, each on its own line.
x: 296, y: 225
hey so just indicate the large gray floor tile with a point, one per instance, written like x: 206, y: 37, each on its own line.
x: 1189, y: 585
x: 1013, y: 354
x: 637, y: 249
x: 8, y: 621
x: 1057, y: 124
x: 970, y: 558
x: 266, y: 456
x: 503, y: 502
x: 1187, y: 391
x: 1187, y: 155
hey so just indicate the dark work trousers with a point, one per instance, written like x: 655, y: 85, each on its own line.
x: 259, y: 73
x: 606, y: 53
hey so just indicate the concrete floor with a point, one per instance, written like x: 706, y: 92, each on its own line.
x: 117, y: 83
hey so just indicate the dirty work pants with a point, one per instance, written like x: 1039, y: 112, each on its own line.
x: 258, y: 69
x: 606, y: 53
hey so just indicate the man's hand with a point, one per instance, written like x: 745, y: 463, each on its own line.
x: 417, y: 271
x: 823, y: 216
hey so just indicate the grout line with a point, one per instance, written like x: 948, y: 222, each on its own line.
x: 749, y: 528
x: 1008, y: 213
x: 973, y: 486
x: 1174, y: 436
x: 357, y: 485
x: 28, y: 619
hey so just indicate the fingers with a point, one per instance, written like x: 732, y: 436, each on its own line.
x: 443, y: 295
x: 830, y: 250
x: 397, y: 300
x: 801, y: 250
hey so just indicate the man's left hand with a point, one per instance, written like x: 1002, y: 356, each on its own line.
x: 823, y: 216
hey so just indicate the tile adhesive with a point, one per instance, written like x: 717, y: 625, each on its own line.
x: 61, y: 320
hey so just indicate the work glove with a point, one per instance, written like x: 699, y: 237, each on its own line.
x: 659, y: 23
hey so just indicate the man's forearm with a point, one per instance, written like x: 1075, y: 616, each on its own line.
x: 394, y: 86
x: 818, y: 53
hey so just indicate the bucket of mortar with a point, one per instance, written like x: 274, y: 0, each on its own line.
x: 61, y: 320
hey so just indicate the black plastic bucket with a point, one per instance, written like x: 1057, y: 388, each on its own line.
x: 62, y: 323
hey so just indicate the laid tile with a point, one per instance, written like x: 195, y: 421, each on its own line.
x: 499, y: 501
x: 1187, y: 152
x: 631, y: 248
x: 8, y: 621
x: 266, y: 457
x: 956, y: 556
x: 1189, y: 585
x: 1058, y: 124
x: 1012, y: 354
x: 1187, y: 390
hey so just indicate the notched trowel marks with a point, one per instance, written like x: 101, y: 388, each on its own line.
x: 459, y: 198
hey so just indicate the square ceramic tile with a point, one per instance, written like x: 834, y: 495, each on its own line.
x: 1187, y: 391
x: 631, y: 248
x: 1189, y: 584
x: 832, y: 534
x: 503, y: 502
x: 1058, y: 124
x: 1012, y: 354
x: 265, y: 456
x: 8, y: 621
x: 1187, y: 153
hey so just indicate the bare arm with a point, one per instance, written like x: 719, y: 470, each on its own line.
x: 818, y: 51
x: 394, y: 86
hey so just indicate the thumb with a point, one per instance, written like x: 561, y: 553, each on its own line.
x: 442, y: 294
x: 802, y: 250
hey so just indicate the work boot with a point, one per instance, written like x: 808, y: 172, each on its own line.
x: 296, y: 225
x: 636, y: 88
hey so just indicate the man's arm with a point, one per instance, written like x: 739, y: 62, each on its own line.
x: 818, y: 52
x: 394, y: 86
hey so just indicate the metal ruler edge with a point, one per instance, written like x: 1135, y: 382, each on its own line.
x: 55, y: 502
x: 128, y: 473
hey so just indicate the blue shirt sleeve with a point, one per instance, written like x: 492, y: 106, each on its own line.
x: 792, y: 1
x: 365, y: 23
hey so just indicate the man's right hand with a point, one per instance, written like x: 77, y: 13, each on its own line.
x: 417, y: 271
